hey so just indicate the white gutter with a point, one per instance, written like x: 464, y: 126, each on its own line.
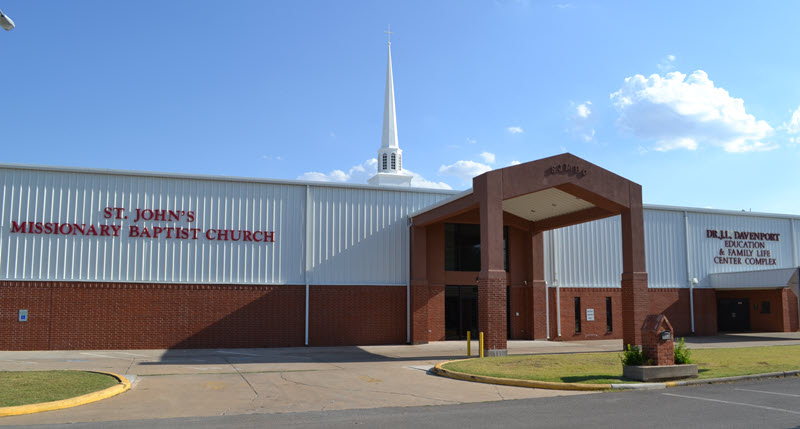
x: 547, y: 308
x: 794, y: 245
x: 688, y: 270
x: 307, y: 255
x: 409, y: 222
x: 555, y: 282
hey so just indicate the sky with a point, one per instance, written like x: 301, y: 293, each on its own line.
x: 699, y: 102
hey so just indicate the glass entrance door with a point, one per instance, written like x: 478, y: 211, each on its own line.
x: 460, y: 312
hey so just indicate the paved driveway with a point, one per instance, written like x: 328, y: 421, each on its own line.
x: 186, y: 383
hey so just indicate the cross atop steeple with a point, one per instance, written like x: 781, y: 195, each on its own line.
x: 389, y: 32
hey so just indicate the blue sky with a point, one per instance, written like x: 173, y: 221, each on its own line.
x: 699, y: 102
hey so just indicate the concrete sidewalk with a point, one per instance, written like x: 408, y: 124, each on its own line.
x: 185, y: 383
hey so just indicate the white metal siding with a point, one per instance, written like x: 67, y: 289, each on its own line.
x: 74, y: 197
x: 588, y: 254
x: 665, y: 248
x: 705, y: 249
x: 796, y: 242
x: 360, y: 236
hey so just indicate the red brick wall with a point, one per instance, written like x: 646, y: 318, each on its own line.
x: 436, y: 312
x: 780, y: 315
x: 521, y: 303
x: 705, y: 312
x: 84, y: 316
x: 790, y: 316
x: 348, y: 315
x: 590, y: 298
x: 673, y: 303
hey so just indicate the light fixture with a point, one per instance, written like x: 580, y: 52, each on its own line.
x: 6, y: 22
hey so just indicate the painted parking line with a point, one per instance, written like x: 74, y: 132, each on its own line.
x: 770, y: 393
x: 764, y: 407
x: 131, y: 354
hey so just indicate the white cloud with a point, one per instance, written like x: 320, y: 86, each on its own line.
x: 793, y: 127
x: 667, y: 64
x: 580, y: 121
x: 356, y: 174
x: 362, y: 172
x: 471, y: 141
x: 488, y: 157
x: 464, y: 170
x: 515, y: 162
x: 420, y: 182
x: 515, y: 130
x: 269, y: 157
x: 680, y: 112
x: 583, y: 110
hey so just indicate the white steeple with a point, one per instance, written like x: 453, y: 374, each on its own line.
x: 390, y: 157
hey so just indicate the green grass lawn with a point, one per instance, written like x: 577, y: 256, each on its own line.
x: 606, y: 367
x: 31, y: 387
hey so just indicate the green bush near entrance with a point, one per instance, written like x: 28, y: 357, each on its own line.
x: 603, y: 368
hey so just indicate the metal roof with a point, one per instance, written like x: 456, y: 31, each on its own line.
x: 135, y: 173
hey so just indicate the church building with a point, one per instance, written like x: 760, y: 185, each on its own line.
x: 552, y: 249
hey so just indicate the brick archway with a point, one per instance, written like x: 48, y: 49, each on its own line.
x: 540, y: 195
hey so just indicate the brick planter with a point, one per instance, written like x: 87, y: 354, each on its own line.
x: 659, y: 373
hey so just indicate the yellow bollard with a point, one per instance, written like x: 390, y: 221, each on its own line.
x: 469, y: 345
x: 480, y: 343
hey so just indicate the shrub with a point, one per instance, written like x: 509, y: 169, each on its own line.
x: 634, y: 356
x: 682, y: 354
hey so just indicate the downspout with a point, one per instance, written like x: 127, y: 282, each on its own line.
x: 307, y: 255
x: 547, y: 308
x: 410, y: 223
x: 795, y: 261
x: 555, y: 282
x: 794, y: 246
x: 689, y: 278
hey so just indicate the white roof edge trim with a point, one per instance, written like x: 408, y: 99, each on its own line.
x: 187, y: 176
x: 441, y: 203
x: 718, y: 211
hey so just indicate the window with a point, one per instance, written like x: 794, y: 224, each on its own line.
x: 609, y: 320
x: 394, y: 161
x: 384, y: 161
x: 399, y: 162
x: 765, y: 307
x: 462, y: 247
x: 577, y: 314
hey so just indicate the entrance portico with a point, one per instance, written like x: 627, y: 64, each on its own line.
x: 532, y: 198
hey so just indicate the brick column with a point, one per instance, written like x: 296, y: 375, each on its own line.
x: 634, y: 274
x: 419, y: 286
x: 492, y: 304
x: 538, y: 287
x: 492, y: 317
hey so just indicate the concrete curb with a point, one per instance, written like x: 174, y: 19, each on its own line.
x: 598, y: 387
x: 514, y: 382
x: 123, y: 385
